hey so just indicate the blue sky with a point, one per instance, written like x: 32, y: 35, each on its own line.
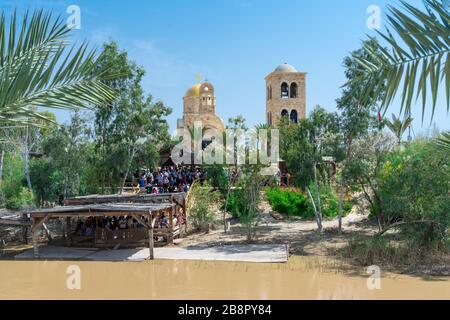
x: 232, y: 43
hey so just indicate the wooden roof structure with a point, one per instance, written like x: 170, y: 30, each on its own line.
x: 138, y: 206
x: 126, y: 198
x: 95, y: 210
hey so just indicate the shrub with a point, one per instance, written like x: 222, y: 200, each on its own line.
x: 288, y: 202
x: 414, y: 187
x: 24, y: 199
x: 234, y: 206
x: 297, y: 204
x: 330, y: 203
x: 201, y: 208
x: 13, y: 191
x: 218, y: 178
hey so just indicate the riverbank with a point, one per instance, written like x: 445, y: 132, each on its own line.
x: 303, y: 239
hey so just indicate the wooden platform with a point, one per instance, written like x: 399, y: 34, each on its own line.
x: 238, y: 253
x: 126, y: 198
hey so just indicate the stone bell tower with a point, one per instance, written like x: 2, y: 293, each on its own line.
x: 285, y: 95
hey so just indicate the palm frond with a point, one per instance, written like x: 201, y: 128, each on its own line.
x: 39, y: 69
x: 418, y: 59
x: 443, y: 141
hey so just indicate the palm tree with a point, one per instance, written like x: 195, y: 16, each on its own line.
x: 418, y: 59
x: 39, y: 69
x: 398, y: 126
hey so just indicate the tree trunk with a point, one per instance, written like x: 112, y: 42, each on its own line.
x: 318, y: 218
x: 26, y: 155
x: 2, y: 157
x: 225, y: 226
x: 341, y: 199
x: 317, y: 192
x: 130, y: 160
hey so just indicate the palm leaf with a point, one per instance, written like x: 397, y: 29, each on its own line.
x: 39, y: 69
x: 443, y: 142
x: 418, y: 58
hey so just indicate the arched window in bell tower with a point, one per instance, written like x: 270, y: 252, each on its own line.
x: 294, y: 89
x: 270, y: 93
x: 294, y: 116
x: 284, y: 90
x: 284, y: 113
x: 269, y: 118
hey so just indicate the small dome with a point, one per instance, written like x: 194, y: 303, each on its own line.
x: 285, y: 68
x: 193, y: 91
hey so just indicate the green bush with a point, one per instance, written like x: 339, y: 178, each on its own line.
x: 414, y: 188
x: 288, y: 202
x: 14, y: 194
x: 24, y: 199
x: 201, y: 208
x: 218, y: 178
x: 234, y: 206
x: 297, y: 204
x: 330, y: 203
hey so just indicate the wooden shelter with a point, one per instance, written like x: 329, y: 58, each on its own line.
x: 146, y: 214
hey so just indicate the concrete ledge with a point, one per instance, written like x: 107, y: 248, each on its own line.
x: 267, y: 253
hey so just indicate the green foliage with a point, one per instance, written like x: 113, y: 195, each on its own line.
x: 398, y: 126
x: 39, y: 67
x: 130, y: 131
x: 417, y: 60
x: 248, y: 198
x: 304, y: 144
x: 357, y: 114
x: 414, y: 186
x: 289, y: 202
x: 234, y: 206
x: 47, y: 180
x: 218, y: 178
x: 362, y: 169
x: 297, y: 204
x: 14, y: 194
x: 330, y: 203
x: 22, y: 200
x: 202, y: 204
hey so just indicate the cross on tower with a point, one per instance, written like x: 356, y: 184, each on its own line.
x: 198, y: 77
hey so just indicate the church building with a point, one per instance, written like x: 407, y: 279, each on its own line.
x: 199, y: 104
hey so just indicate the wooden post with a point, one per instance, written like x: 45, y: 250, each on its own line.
x: 35, y: 245
x: 150, y: 226
x: 69, y: 231
x: 151, y: 241
x: 185, y: 214
x: 25, y: 234
x: 47, y: 232
x: 34, y: 236
x: 170, y: 236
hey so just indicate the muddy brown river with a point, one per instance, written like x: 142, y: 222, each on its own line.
x: 300, y: 278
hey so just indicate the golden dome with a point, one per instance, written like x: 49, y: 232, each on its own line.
x: 193, y: 91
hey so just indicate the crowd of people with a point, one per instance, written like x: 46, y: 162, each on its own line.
x: 170, y: 180
x: 88, y: 226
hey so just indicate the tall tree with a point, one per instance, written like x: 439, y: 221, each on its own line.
x: 358, y: 114
x: 133, y: 125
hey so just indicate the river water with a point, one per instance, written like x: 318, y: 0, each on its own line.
x: 300, y: 278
